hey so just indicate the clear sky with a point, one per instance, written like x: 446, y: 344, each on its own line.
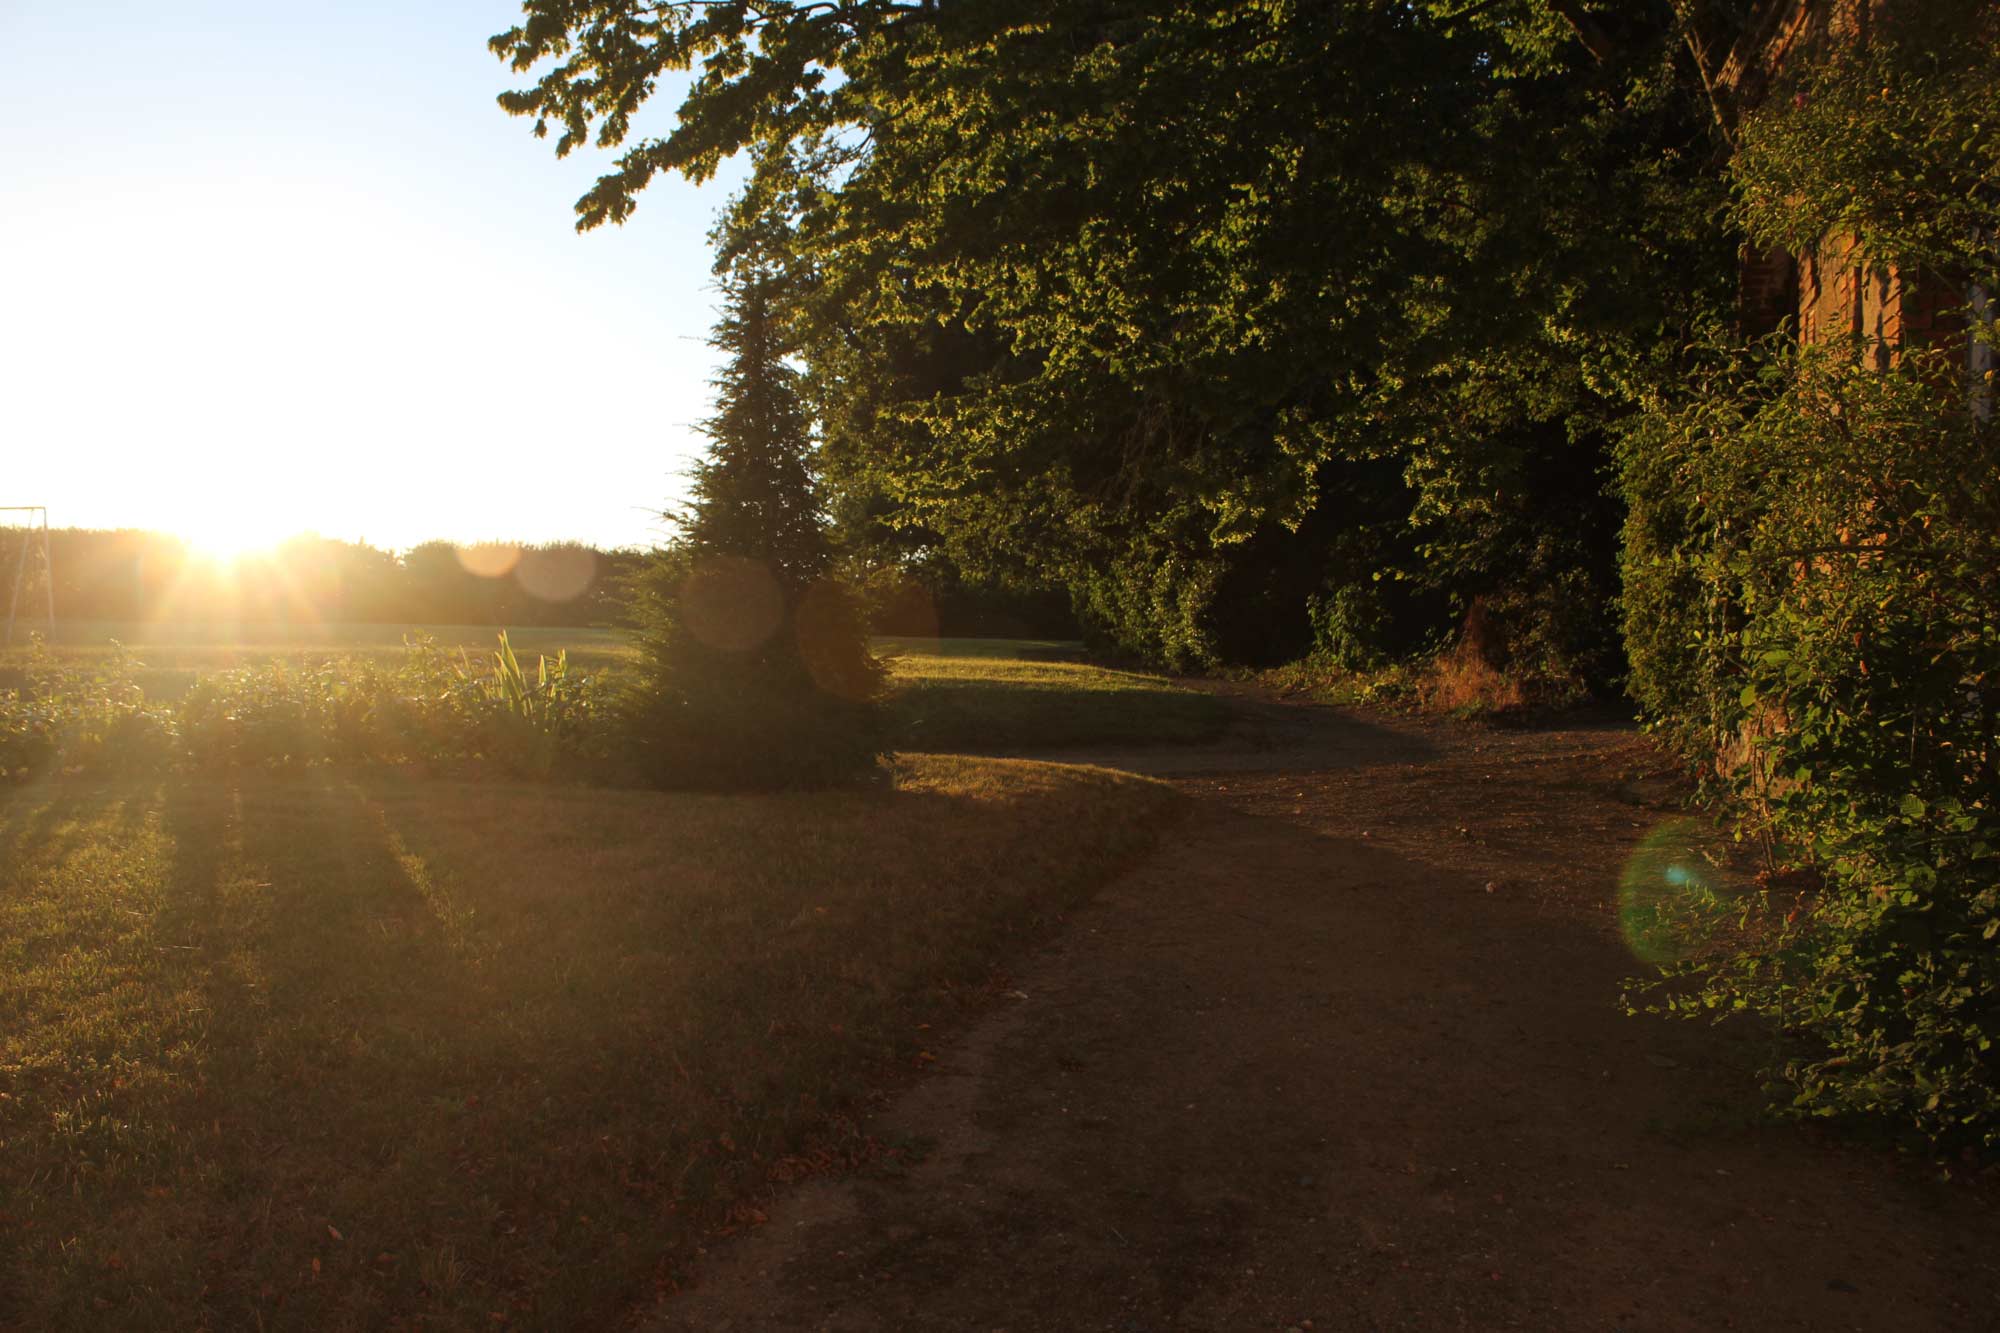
x: 268, y: 267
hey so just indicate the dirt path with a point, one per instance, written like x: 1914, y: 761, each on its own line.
x: 1346, y: 1054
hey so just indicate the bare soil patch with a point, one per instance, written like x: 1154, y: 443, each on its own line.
x: 1347, y: 1054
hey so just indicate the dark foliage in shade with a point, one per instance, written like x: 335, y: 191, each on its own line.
x: 1812, y: 600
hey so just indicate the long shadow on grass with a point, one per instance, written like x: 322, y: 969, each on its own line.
x: 430, y: 1050
x: 176, y: 1159
x: 316, y: 1075
x: 408, y: 1112
x: 52, y: 819
x: 700, y: 983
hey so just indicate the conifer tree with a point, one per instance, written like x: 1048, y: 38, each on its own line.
x: 753, y: 666
x: 753, y: 495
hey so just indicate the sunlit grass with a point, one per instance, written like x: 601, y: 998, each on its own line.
x: 1027, y: 650
x: 199, y: 642
x: 989, y: 695
x: 965, y: 702
x: 194, y: 645
x: 326, y: 1053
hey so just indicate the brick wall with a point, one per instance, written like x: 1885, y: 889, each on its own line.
x: 1826, y: 291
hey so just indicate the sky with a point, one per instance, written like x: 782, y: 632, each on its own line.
x: 271, y: 268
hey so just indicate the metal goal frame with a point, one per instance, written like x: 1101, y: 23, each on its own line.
x: 28, y: 534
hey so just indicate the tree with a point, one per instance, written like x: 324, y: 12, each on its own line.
x: 753, y: 666
x: 1210, y: 314
x: 753, y: 495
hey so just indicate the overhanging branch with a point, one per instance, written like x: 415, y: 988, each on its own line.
x: 1588, y: 30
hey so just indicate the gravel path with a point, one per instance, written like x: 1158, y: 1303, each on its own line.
x: 1346, y: 1053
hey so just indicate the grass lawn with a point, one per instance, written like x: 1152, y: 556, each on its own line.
x: 203, y: 643
x: 1027, y: 650
x: 172, y: 654
x: 989, y: 695
x: 326, y: 1051
x: 1000, y: 704
x: 194, y: 645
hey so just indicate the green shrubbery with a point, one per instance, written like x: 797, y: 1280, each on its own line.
x: 742, y: 683
x: 1154, y: 603
x: 431, y: 706
x: 85, y: 717
x: 1350, y: 625
x: 1813, y: 595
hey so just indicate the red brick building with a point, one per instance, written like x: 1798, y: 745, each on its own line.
x: 1828, y: 292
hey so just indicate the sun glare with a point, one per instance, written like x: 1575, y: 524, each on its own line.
x: 230, y: 539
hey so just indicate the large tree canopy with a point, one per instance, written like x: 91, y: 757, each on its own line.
x: 1218, y: 315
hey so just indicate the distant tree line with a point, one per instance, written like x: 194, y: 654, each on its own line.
x: 135, y: 575
x: 129, y: 574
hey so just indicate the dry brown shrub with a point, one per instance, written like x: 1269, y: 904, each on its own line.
x: 1462, y: 680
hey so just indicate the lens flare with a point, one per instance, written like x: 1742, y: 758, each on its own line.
x: 732, y: 603
x: 1671, y: 887
x: 489, y: 560
x: 558, y: 574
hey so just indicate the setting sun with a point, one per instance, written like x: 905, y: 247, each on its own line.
x: 323, y: 338
x: 227, y: 537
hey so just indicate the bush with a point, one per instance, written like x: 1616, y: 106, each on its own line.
x: 1154, y: 602
x: 737, y: 686
x: 30, y: 736
x: 1464, y: 679
x: 273, y: 714
x: 1350, y: 627
x: 91, y: 717
x: 81, y: 715
x: 1813, y: 593
x: 532, y: 721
